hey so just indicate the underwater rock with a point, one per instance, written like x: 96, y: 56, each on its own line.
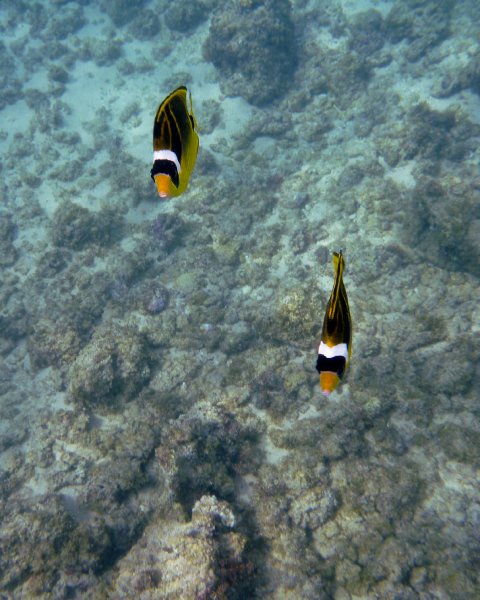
x: 64, y: 23
x: 268, y: 389
x: 146, y: 25
x: 204, y: 451
x: 206, y: 163
x: 184, y: 15
x: 252, y: 44
x: 236, y: 338
x: 132, y: 292
x: 314, y: 508
x: 58, y: 543
x: 102, y: 52
x: 58, y: 74
x: 75, y: 227
x: 424, y: 24
x: 53, y: 343
x: 48, y: 553
x: 11, y: 88
x: 367, y: 33
x: 212, y: 115
x: 13, y: 315
x: 455, y: 377
x: 448, y: 211
x: 8, y: 253
x: 456, y: 80
x: 359, y: 539
x: 339, y: 72
x: 113, y: 367
x: 460, y: 441
x: 167, y: 230
x: 71, y: 307
x: 178, y: 560
x: 122, y: 11
x: 32, y: 541
x: 296, y: 317
x: 433, y: 135
x: 52, y: 262
x: 156, y: 301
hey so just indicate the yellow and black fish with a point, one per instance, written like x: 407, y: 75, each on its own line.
x: 175, y: 144
x: 336, y: 344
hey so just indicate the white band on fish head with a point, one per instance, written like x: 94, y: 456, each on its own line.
x: 333, y: 351
x: 167, y: 155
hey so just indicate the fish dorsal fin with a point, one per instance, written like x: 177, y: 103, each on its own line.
x: 338, y: 266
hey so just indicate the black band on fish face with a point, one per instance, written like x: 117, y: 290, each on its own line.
x: 165, y: 167
x: 336, y: 364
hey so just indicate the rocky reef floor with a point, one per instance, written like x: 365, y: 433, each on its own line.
x: 162, y: 433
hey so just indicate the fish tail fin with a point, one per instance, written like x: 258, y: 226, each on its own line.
x: 338, y: 261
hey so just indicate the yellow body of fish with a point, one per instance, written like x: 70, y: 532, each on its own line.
x: 335, y: 346
x: 175, y: 144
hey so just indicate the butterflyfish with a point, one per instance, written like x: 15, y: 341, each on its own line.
x: 175, y: 144
x: 336, y: 344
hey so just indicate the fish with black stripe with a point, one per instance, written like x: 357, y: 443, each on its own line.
x: 336, y: 344
x: 175, y: 144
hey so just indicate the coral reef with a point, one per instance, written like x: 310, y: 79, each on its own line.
x: 122, y: 11
x: 424, y: 24
x: 111, y: 368
x: 367, y: 33
x: 75, y: 227
x: 8, y: 253
x: 162, y: 433
x: 252, y: 44
x: 467, y: 77
x: 181, y: 560
x: 449, y: 211
x: 146, y: 25
x: 183, y: 15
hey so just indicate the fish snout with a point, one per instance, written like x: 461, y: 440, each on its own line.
x: 164, y: 185
x: 328, y: 382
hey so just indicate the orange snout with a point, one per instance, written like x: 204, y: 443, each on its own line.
x: 164, y: 185
x: 328, y: 382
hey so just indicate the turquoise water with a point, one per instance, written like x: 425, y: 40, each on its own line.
x: 162, y: 431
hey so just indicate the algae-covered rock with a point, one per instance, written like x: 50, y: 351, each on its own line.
x: 41, y: 541
x: 252, y: 44
x: 460, y: 442
x: 178, y: 560
x: 204, y: 451
x: 53, y: 343
x: 146, y: 24
x: 448, y: 209
x: 166, y: 230
x: 458, y: 79
x: 113, y: 366
x: 75, y: 227
x: 427, y: 132
x: 184, y: 15
x: 297, y: 317
x: 8, y: 253
x: 424, y: 24
x: 122, y: 11
x: 367, y: 32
